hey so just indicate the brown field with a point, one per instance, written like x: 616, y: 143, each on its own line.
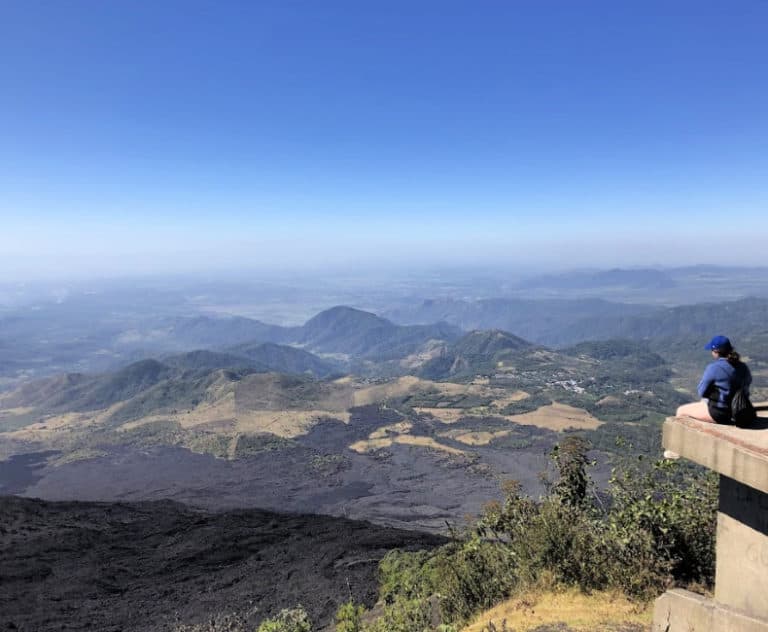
x: 409, y: 385
x: 446, y: 415
x: 222, y: 415
x: 557, y: 417
x: 14, y: 412
x: 226, y: 414
x: 286, y: 408
x: 581, y: 612
x: 385, y: 436
x: 475, y: 438
x: 404, y: 439
x: 398, y: 388
x: 53, y: 424
x: 401, y: 427
x: 517, y: 396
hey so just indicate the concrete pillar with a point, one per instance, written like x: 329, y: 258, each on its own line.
x: 741, y: 580
x: 740, y: 456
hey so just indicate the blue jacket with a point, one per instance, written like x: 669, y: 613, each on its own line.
x: 721, y: 379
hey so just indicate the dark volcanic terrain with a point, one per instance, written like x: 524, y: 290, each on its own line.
x: 154, y: 565
x: 402, y: 486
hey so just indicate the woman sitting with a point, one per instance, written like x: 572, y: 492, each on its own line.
x: 720, y: 381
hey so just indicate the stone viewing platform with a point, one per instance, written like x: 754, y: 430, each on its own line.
x: 740, y: 456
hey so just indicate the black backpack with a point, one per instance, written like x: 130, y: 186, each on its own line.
x: 742, y: 411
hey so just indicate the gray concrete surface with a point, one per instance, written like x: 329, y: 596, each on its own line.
x: 740, y: 456
x: 682, y: 611
x: 738, y: 453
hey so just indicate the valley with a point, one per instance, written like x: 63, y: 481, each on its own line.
x: 420, y: 438
x: 203, y: 424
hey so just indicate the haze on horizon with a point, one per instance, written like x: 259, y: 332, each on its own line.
x: 146, y: 138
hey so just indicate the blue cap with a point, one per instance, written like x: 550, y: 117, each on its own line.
x: 719, y: 343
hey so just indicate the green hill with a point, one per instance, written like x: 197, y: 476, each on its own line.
x: 76, y: 392
x: 204, y: 360
x: 284, y: 359
x: 150, y: 385
x: 209, y: 332
x: 266, y: 357
x: 686, y: 322
x: 478, y: 352
x: 357, y: 333
x: 543, y: 321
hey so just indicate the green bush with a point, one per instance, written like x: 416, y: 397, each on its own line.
x: 349, y: 617
x: 657, y: 527
x: 289, y: 620
x: 663, y: 518
x: 405, y: 615
x: 654, y: 527
x: 474, y: 575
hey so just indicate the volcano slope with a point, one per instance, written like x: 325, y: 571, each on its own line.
x: 155, y: 565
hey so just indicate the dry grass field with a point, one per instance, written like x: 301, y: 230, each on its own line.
x: 510, y: 398
x: 475, y: 437
x: 385, y: 436
x: 401, y: 427
x: 50, y: 425
x: 289, y: 407
x: 14, y: 412
x: 445, y: 415
x: 361, y: 447
x: 225, y: 414
x: 595, y: 612
x: 558, y: 417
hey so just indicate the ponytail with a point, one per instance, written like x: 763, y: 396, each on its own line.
x: 733, y: 357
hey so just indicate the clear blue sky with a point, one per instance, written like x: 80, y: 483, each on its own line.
x: 142, y: 135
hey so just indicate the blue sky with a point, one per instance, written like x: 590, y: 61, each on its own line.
x: 142, y: 136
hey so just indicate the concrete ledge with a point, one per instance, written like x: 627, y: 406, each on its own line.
x: 738, y: 453
x: 682, y: 611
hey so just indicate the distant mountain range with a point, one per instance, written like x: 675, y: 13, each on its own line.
x: 549, y: 322
x: 562, y: 323
x: 183, y: 379
x: 338, y: 330
x: 648, y: 279
x: 344, y: 338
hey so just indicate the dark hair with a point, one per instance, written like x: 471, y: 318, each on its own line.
x: 733, y: 357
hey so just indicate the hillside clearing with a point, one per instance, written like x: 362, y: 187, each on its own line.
x: 557, y: 417
x: 283, y: 423
x: 445, y: 415
x: 361, y: 447
x: 516, y: 396
x: 479, y: 437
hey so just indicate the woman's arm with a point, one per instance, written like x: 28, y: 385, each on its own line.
x: 707, y: 382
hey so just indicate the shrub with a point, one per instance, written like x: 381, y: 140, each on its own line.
x: 662, y: 522
x: 349, y: 617
x: 289, y: 620
x: 474, y: 575
x: 656, y: 527
x: 404, y: 615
